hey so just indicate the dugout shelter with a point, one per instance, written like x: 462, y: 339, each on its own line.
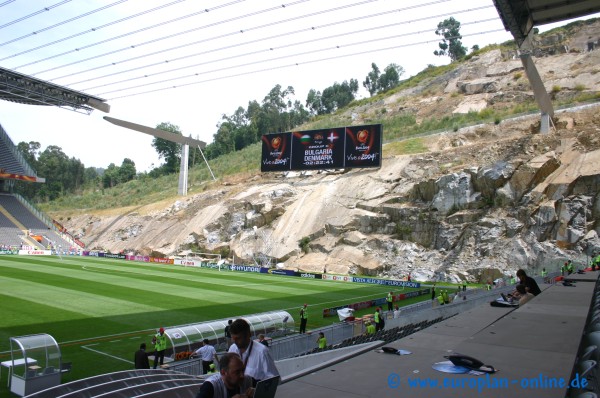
x: 185, y: 339
x: 35, y: 363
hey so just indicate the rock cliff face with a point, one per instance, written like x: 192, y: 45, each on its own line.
x: 484, y: 201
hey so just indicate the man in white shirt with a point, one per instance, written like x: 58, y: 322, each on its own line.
x: 256, y: 357
x: 208, y: 354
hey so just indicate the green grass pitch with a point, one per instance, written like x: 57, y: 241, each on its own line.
x: 100, y: 310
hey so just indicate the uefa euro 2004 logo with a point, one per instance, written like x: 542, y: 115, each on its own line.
x: 276, y: 142
x: 362, y: 136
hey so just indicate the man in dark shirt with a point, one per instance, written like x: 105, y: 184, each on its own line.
x: 141, y: 358
x: 227, y: 333
x: 530, y: 284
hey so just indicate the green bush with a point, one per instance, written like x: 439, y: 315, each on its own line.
x: 304, y: 244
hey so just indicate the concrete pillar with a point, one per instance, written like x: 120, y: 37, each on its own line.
x: 545, y: 123
x: 183, y: 171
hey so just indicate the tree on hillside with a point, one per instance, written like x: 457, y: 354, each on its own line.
x: 110, y: 178
x: 372, y: 79
x: 332, y: 98
x: 276, y: 107
x: 91, y: 174
x: 168, y: 150
x: 30, y: 151
x: 313, y: 102
x: 450, y: 45
x: 339, y: 95
x: 377, y: 82
x: 127, y: 170
x: 390, y: 77
x: 53, y: 165
x: 278, y: 112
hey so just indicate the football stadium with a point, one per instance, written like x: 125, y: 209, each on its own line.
x: 82, y: 322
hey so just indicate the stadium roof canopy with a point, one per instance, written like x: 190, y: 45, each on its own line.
x: 520, y: 16
x: 23, y: 89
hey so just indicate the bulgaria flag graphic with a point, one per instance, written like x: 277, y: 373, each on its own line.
x: 305, y: 139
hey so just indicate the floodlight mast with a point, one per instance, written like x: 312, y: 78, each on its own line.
x: 166, y: 135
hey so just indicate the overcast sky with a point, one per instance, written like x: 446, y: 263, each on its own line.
x: 189, y: 61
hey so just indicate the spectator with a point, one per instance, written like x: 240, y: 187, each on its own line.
x: 141, y: 358
x: 530, y: 284
x: 229, y: 382
x: 262, y: 340
x: 524, y: 295
x: 256, y: 357
x: 396, y: 312
x: 207, y: 352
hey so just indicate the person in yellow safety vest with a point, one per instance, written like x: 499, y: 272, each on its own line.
x: 440, y: 299
x: 160, y: 345
x: 563, y: 269
x: 322, y: 341
x: 211, y: 369
x: 370, y: 328
x: 513, y: 280
x: 597, y: 261
x: 570, y: 267
x: 446, y: 297
x: 544, y: 272
x: 390, y: 301
x: 303, y: 318
x: 377, y: 319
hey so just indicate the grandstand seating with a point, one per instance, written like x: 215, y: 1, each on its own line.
x: 9, y: 163
x: 21, y: 213
x: 175, y: 392
x: 129, y: 383
x: 9, y: 233
x: 11, y: 160
x: 385, y: 335
x: 29, y: 221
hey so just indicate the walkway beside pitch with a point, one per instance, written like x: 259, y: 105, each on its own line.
x: 533, y: 348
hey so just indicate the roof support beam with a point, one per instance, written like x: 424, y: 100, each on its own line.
x: 539, y: 90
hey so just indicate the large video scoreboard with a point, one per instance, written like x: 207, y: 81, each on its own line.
x: 332, y: 148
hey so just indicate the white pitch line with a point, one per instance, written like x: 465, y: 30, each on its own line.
x: 105, y: 354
